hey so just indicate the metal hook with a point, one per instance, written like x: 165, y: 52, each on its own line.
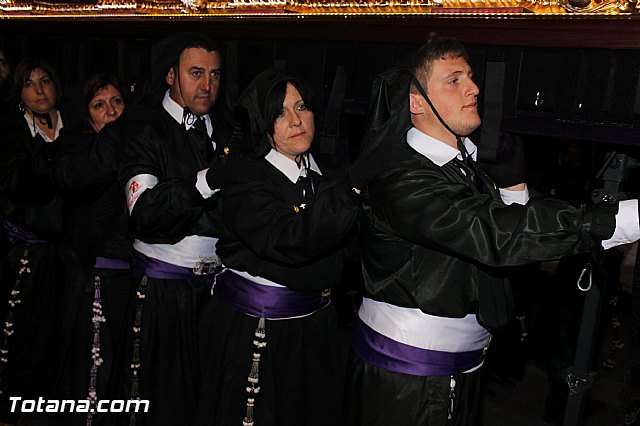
x: 587, y: 267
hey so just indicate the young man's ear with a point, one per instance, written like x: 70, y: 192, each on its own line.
x: 170, y: 77
x: 416, y: 103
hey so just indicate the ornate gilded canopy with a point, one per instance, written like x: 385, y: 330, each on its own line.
x: 238, y: 8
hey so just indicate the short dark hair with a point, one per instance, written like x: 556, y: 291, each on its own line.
x: 27, y: 66
x: 437, y: 47
x: 198, y: 43
x: 165, y: 55
x: 203, y: 43
x: 275, y: 99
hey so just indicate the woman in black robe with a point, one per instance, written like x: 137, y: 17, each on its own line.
x: 99, y: 293
x: 31, y: 140
x: 270, y: 336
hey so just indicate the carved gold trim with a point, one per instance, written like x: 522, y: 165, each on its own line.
x: 238, y: 8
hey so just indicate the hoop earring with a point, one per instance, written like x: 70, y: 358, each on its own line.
x: 21, y: 106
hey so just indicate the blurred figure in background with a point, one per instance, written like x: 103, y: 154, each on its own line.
x: 32, y: 138
x: 99, y: 284
x: 5, y: 81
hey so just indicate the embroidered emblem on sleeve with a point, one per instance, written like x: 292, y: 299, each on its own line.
x: 136, y: 186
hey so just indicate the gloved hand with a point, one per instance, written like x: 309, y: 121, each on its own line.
x: 229, y: 165
x: 509, y: 168
x: 221, y: 172
x: 599, y: 224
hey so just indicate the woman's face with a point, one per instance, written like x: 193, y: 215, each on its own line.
x: 294, y: 128
x: 39, y: 92
x: 105, y: 106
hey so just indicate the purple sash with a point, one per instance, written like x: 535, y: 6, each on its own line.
x: 17, y: 233
x: 154, y: 268
x: 384, y: 352
x: 111, y: 263
x: 266, y: 301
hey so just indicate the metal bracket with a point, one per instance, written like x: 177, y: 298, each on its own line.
x: 578, y: 384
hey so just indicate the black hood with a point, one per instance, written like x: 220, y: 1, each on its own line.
x: 389, y: 114
x: 252, y: 105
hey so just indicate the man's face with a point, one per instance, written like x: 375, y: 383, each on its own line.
x: 195, y: 82
x: 454, y: 95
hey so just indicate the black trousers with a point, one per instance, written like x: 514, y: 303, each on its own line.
x: 376, y: 396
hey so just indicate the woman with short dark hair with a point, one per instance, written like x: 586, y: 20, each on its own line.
x: 270, y: 337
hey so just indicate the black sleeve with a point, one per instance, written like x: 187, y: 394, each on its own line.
x: 280, y: 231
x: 420, y: 206
x: 169, y: 211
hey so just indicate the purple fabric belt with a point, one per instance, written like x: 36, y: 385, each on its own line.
x: 17, y: 233
x: 384, y: 352
x: 111, y: 263
x: 154, y: 268
x: 266, y: 301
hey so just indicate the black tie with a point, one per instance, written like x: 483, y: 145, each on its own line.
x: 469, y: 168
x: 466, y: 160
x: 305, y: 183
x: 199, y: 129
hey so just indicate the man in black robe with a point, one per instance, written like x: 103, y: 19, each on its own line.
x: 167, y: 152
x: 435, y: 231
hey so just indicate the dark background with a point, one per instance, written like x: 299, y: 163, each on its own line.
x: 564, y: 77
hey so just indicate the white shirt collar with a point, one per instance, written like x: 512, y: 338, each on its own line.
x: 288, y: 167
x: 35, y: 129
x: 435, y: 150
x: 177, y: 112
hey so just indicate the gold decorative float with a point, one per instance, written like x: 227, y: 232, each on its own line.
x: 26, y: 8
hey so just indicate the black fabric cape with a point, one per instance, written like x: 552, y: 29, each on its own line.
x: 266, y: 237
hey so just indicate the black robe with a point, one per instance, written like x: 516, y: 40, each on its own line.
x: 95, y: 225
x: 301, y: 367
x: 434, y: 241
x: 151, y: 142
x: 30, y: 202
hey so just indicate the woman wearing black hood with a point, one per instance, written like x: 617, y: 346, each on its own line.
x: 272, y: 352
